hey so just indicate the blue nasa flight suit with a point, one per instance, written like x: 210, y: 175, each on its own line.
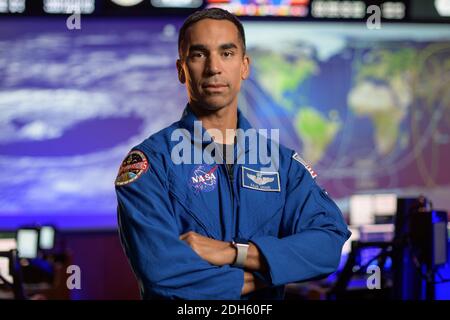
x: 295, y: 225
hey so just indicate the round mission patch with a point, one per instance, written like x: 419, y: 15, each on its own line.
x: 134, y: 165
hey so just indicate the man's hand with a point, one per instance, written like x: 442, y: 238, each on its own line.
x: 251, y: 283
x: 216, y: 252
x: 221, y: 253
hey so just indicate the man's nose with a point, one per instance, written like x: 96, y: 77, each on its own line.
x: 213, y: 65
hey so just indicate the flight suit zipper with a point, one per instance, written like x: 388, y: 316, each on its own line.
x: 230, y: 184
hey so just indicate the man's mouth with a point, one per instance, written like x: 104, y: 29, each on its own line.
x: 214, y: 85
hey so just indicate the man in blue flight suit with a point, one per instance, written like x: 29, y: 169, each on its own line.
x: 211, y: 230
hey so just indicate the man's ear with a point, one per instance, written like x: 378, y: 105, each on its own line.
x: 245, y: 71
x: 181, y: 75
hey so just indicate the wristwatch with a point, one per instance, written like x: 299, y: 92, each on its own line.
x: 241, y: 246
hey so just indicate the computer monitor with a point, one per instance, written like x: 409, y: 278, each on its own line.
x: 46, y: 238
x: 7, y: 243
x: 361, y: 209
x: 27, y: 243
x: 365, y: 209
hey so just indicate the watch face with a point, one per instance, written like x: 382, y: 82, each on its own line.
x: 240, y: 240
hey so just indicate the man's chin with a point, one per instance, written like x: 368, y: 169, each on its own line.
x: 212, y: 104
x: 212, y: 107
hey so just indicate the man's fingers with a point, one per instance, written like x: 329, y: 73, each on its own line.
x: 187, y: 234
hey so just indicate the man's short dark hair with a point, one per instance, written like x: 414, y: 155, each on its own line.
x: 211, y: 13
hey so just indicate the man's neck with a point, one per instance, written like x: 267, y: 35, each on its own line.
x: 218, y: 121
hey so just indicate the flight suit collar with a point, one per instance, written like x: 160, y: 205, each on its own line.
x: 200, y: 137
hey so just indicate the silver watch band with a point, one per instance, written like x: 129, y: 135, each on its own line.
x: 241, y: 256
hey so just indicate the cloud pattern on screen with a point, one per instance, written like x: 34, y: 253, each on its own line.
x: 72, y: 105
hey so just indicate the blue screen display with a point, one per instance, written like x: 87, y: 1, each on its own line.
x: 366, y: 109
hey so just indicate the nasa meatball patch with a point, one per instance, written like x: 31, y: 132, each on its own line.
x: 134, y: 165
x: 297, y: 158
x: 203, y: 178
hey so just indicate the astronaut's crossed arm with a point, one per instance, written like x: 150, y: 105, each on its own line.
x: 313, y: 231
x: 164, y: 264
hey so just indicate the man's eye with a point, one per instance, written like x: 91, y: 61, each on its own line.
x: 197, y: 55
x: 228, y: 54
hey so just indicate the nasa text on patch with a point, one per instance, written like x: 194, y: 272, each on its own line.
x: 203, y: 178
x: 260, y: 180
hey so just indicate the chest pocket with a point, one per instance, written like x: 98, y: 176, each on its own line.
x: 261, y: 202
x: 192, y: 209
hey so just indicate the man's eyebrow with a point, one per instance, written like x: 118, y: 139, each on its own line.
x: 230, y: 45
x: 201, y: 47
x: 197, y: 47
